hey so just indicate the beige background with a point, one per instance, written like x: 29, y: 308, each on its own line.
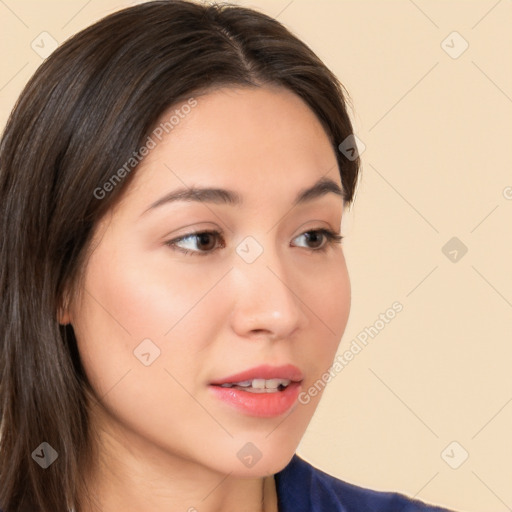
x: 437, y: 165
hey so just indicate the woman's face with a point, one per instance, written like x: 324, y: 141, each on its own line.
x: 157, y: 328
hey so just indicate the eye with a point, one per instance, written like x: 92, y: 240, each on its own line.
x: 205, y: 240
x: 316, y: 235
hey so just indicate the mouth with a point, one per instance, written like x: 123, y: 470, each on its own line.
x: 259, y: 385
x: 263, y: 391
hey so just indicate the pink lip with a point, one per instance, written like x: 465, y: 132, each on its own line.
x: 287, y: 371
x: 263, y: 405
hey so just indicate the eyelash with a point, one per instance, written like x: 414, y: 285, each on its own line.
x: 331, y: 236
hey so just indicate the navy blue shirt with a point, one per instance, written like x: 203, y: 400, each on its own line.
x: 303, y: 488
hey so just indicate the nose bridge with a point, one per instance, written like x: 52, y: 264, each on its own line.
x: 265, y: 296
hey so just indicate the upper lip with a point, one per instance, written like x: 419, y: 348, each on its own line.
x: 265, y: 371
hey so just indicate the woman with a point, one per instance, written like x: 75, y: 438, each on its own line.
x: 140, y: 370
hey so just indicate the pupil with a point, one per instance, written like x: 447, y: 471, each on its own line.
x: 202, y: 238
x: 314, y: 236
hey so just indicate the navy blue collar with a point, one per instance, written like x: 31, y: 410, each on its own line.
x: 301, y: 487
x: 294, y: 486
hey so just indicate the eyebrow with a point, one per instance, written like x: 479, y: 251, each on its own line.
x: 224, y: 196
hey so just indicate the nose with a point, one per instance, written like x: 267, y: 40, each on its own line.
x: 267, y: 301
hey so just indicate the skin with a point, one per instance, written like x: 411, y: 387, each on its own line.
x: 167, y: 443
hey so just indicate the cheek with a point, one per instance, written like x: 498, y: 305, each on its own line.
x: 148, y: 294
x: 328, y: 306
x: 134, y: 306
x: 121, y: 324
x: 327, y: 300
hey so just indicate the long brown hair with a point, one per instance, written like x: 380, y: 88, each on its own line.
x: 86, y: 111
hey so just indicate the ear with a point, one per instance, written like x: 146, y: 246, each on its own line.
x: 63, y: 313
x: 63, y: 317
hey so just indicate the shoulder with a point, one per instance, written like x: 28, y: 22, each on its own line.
x: 303, y: 488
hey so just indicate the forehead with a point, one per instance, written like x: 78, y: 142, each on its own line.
x: 250, y: 140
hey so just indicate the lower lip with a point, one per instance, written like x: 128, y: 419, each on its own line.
x: 263, y: 405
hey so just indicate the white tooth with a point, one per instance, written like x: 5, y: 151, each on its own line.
x: 258, y: 383
x: 244, y: 383
x: 275, y: 383
x: 262, y: 390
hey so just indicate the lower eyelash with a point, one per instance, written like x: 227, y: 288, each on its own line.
x: 332, y: 239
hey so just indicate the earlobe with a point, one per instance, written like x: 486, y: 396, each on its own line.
x: 63, y: 316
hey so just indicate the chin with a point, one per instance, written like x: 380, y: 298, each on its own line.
x: 257, y: 455
x: 267, y: 465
